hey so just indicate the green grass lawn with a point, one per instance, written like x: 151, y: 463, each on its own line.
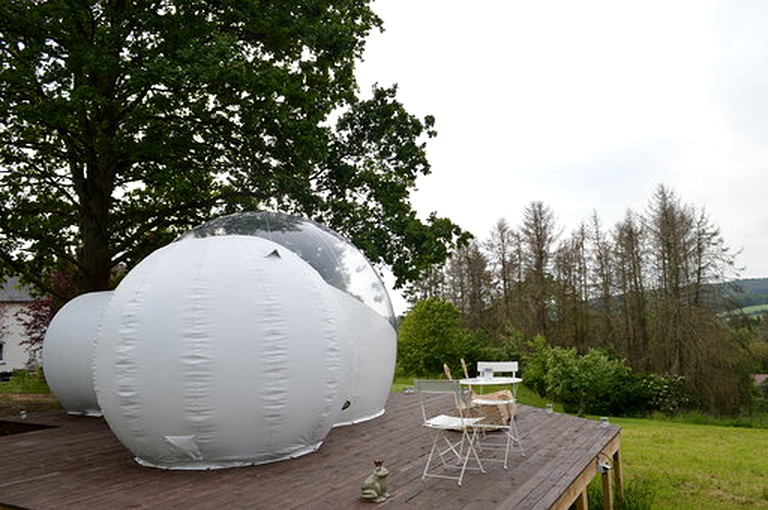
x: 755, y: 310
x: 25, y: 382
x: 699, y: 467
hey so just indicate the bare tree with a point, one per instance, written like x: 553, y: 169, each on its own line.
x: 468, y: 283
x: 670, y: 226
x: 505, y: 263
x: 431, y: 285
x: 689, y: 262
x: 503, y: 256
x: 602, y: 280
x: 630, y: 274
x: 538, y: 234
x: 571, y: 291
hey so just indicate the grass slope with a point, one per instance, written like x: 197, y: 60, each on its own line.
x: 755, y: 310
x: 697, y: 466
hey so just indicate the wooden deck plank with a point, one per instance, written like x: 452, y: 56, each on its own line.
x: 80, y: 464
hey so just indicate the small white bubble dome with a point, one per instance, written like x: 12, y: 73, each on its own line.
x: 366, y: 319
x: 221, y: 352
x: 68, y: 352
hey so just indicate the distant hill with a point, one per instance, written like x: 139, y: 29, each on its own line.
x: 751, y: 292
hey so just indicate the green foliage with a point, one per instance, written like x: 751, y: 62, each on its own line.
x: 25, y: 381
x: 593, y: 383
x: 126, y: 123
x: 508, y: 347
x: 536, y: 363
x: 760, y: 397
x: 750, y: 291
x: 663, y: 393
x: 757, y: 310
x: 431, y: 334
x: 401, y: 382
x: 652, y: 291
x: 597, y: 383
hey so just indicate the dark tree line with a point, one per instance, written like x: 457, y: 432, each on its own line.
x: 650, y: 289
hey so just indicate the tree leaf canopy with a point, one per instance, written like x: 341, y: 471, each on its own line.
x: 125, y: 122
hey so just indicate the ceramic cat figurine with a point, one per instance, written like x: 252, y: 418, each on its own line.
x: 375, y: 486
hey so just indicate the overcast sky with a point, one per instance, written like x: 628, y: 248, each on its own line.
x: 586, y: 106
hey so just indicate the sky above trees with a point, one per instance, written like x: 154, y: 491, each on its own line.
x: 585, y: 106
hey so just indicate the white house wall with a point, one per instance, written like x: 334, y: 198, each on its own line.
x: 12, y: 333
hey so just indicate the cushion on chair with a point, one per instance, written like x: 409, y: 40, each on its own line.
x: 445, y: 422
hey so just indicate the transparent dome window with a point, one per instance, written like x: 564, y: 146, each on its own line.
x: 339, y: 262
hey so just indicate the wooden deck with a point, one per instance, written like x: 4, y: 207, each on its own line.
x: 79, y: 464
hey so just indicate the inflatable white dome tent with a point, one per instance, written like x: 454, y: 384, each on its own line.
x: 366, y: 316
x: 229, y: 350
x: 68, y: 352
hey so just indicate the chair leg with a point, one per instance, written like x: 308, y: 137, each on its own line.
x: 429, y: 459
x: 501, y: 445
x: 466, y: 447
x: 471, y: 448
x: 516, y: 436
x: 437, y: 438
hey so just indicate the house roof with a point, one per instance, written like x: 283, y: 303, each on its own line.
x: 11, y: 291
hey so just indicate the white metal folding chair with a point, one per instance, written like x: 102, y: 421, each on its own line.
x: 454, y: 435
x: 505, y: 404
x: 502, y: 367
x: 499, y: 367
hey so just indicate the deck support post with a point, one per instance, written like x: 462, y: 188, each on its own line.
x: 618, y: 482
x: 607, y: 499
x: 582, y: 502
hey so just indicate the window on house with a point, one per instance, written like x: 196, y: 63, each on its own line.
x: 2, y: 352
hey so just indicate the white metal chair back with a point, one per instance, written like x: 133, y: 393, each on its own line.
x: 498, y: 367
x: 426, y: 387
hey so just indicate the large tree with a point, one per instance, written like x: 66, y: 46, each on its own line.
x: 124, y: 122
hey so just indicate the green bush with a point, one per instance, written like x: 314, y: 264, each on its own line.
x: 483, y: 349
x: 536, y: 362
x: 593, y: 383
x: 598, y: 383
x: 760, y: 397
x: 664, y: 393
x: 430, y: 335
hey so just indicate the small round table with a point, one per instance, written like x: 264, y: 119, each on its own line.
x: 512, y: 382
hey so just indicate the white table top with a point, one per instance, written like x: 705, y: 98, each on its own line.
x: 481, y: 381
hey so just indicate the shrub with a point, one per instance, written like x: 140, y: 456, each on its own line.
x: 599, y: 383
x: 504, y: 349
x: 430, y: 335
x: 664, y: 393
x: 594, y: 383
x: 759, y: 398
x: 536, y: 362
